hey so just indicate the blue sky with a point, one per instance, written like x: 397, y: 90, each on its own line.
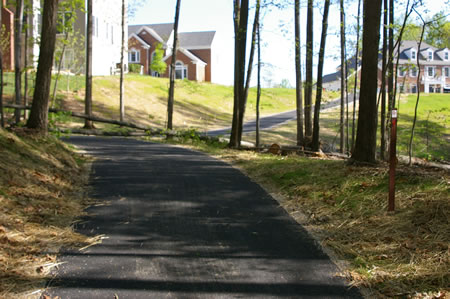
x: 277, y: 34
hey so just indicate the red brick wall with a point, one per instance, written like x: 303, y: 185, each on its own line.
x: 205, y: 55
x: 191, y: 68
x: 144, y: 59
x: 8, y: 22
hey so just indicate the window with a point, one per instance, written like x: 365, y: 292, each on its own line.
x: 430, y: 71
x: 94, y: 26
x: 446, y: 55
x: 413, y: 54
x: 413, y: 72
x: 447, y: 72
x: 180, y: 70
x: 413, y: 88
x: 401, y: 72
x: 134, y: 56
x: 430, y: 55
x: 64, y: 22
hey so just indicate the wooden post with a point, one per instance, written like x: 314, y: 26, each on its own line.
x: 392, y: 161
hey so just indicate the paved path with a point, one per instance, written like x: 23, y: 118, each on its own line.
x: 275, y: 120
x: 181, y: 224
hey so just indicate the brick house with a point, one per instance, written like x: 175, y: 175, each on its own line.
x: 194, y: 56
x: 434, y: 68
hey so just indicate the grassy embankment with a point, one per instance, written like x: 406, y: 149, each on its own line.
x: 404, y: 254
x: 202, y: 106
x: 432, y: 132
x: 41, y: 194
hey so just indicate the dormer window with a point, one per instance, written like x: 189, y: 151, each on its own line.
x: 413, y: 54
x: 430, y: 55
x: 446, y: 55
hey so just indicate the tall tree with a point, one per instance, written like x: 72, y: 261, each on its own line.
x: 309, y: 68
x: 365, y: 145
x: 258, y: 84
x: 39, y: 110
x: 172, y: 68
x: 25, y: 60
x: 122, y: 54
x: 358, y: 29
x: 88, y: 124
x: 298, y: 76
x: 2, y: 117
x: 343, y: 76
x: 383, y: 81
x: 240, y: 27
x: 249, y: 71
x: 315, y: 137
x: 18, y: 27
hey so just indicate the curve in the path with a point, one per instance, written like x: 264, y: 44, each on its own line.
x: 271, y: 121
x: 180, y: 224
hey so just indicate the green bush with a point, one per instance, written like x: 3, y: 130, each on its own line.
x: 134, y: 68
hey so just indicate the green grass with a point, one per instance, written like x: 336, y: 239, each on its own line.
x: 431, y: 138
x: 202, y: 106
x: 432, y: 131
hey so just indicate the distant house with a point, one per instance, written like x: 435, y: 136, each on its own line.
x: 34, y: 21
x: 332, y: 82
x: 434, y: 69
x: 106, y: 41
x: 195, y: 56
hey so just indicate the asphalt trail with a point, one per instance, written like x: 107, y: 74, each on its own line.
x: 181, y: 224
x: 275, y: 120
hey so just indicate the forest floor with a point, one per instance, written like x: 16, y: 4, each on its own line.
x: 42, y: 192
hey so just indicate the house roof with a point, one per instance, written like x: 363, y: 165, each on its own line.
x: 143, y: 42
x: 163, y: 30
x: 196, y: 40
x: 331, y: 77
x: 406, y: 46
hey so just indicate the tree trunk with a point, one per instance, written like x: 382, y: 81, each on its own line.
x: 298, y: 76
x: 172, y: 69
x: 39, y: 110
x: 383, y: 83
x: 315, y: 137
x: 410, y: 151
x: 234, y: 128
x: 309, y: 69
x: 249, y: 72
x: 58, y: 73
x: 18, y: 26
x: 365, y: 145
x: 88, y: 94
x: 2, y: 117
x: 25, y: 87
x: 258, y: 91
x: 343, y: 77
x: 122, y: 53
x: 241, y: 18
x: 358, y: 28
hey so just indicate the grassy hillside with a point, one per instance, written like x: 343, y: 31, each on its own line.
x: 203, y: 106
x: 431, y: 138
x: 40, y: 196
x: 197, y: 105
